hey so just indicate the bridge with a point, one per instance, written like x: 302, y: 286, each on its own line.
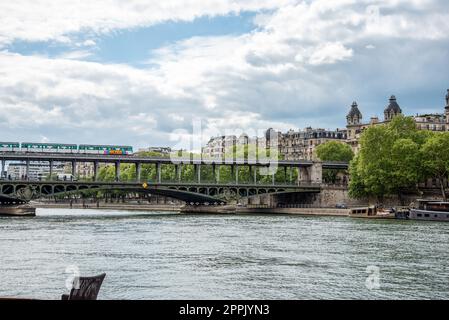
x: 309, y: 177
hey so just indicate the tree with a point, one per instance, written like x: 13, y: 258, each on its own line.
x: 435, y: 156
x: 334, y: 151
x: 389, y: 159
x: 356, y: 186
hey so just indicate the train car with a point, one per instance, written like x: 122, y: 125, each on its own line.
x: 49, y: 147
x: 9, y: 146
x: 105, y: 149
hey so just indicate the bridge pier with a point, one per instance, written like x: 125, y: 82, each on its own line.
x: 117, y: 171
x: 96, y: 170
x: 291, y: 175
x: 74, y: 168
x: 303, y: 175
x: 254, y: 174
x: 138, y: 171
x: 218, y: 174
x: 3, y: 168
x: 27, y: 174
x: 178, y: 172
x: 316, y: 172
x: 50, y: 163
x: 197, y: 169
x: 158, y: 173
x: 312, y: 174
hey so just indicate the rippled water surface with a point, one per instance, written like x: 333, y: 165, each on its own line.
x: 171, y: 256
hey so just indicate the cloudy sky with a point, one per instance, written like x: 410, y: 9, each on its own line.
x: 145, y: 72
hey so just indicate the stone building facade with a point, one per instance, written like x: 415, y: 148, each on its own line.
x: 292, y: 145
x: 355, y: 125
x: 296, y: 145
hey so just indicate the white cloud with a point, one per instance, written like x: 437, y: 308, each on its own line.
x: 48, y: 20
x: 329, y: 53
x: 304, y: 65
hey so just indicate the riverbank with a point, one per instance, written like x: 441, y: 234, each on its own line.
x: 110, y: 206
x: 258, y: 210
x: 227, y: 209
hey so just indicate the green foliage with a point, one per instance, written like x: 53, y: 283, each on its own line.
x: 334, y: 151
x: 356, y: 187
x: 224, y: 172
x: 435, y: 157
x: 396, y: 156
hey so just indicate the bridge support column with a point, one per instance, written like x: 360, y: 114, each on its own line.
x: 27, y: 172
x: 303, y: 175
x: 198, y: 172
x: 51, y: 169
x: 316, y: 172
x: 158, y: 173
x: 74, y: 168
x: 138, y: 171
x: 236, y: 174
x: 285, y: 175
x: 291, y: 175
x: 117, y: 171
x: 3, y: 174
x: 178, y: 169
x: 96, y: 170
x: 255, y: 175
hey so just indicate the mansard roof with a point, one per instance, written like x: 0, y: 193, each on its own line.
x: 393, y: 106
x: 354, y: 111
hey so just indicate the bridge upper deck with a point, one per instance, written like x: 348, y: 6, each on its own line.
x: 69, y: 157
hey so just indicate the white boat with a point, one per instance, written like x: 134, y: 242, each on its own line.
x: 371, y: 212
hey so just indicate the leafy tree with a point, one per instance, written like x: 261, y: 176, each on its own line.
x: 435, y: 154
x: 334, y: 151
x: 389, y: 159
x: 356, y: 187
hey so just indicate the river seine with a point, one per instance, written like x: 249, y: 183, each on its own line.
x: 172, y: 256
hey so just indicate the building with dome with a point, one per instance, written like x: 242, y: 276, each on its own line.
x: 355, y: 126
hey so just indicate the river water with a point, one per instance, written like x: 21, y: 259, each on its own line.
x: 171, y: 256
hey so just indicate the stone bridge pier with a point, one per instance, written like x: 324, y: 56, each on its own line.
x: 311, y: 174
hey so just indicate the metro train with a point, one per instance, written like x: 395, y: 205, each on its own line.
x: 64, y: 148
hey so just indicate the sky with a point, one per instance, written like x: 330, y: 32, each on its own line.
x: 174, y: 73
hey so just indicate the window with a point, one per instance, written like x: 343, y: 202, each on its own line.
x: 426, y: 215
x: 419, y: 215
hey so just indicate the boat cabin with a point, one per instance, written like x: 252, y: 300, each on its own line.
x: 433, y: 205
x: 364, y: 211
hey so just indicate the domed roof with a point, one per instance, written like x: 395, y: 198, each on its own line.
x: 354, y: 111
x: 393, y: 106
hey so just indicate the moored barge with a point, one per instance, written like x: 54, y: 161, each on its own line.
x: 431, y: 210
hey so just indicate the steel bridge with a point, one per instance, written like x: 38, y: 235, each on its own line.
x: 308, y: 180
x: 189, y: 192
